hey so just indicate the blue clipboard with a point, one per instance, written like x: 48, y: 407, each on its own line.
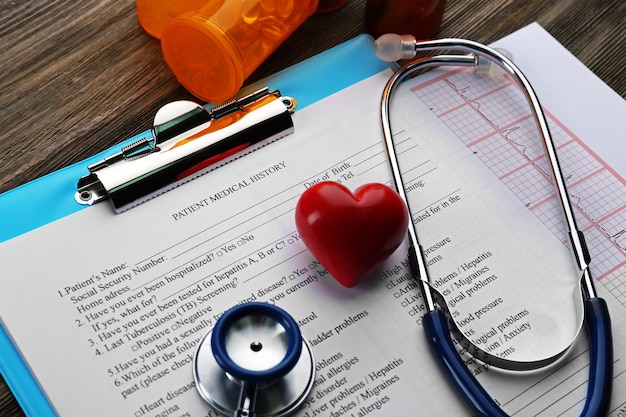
x: 51, y: 197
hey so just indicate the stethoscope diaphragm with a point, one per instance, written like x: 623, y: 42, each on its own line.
x: 256, y: 357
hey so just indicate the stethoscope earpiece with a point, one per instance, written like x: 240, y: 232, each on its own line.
x: 254, y: 360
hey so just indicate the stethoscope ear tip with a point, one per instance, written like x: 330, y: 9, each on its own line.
x: 488, y: 67
x: 391, y: 47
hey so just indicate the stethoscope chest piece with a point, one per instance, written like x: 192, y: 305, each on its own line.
x: 254, y: 362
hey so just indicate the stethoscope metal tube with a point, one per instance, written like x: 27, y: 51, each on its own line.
x: 435, y: 322
x: 416, y: 259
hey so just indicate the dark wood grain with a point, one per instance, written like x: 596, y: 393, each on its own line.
x: 77, y: 77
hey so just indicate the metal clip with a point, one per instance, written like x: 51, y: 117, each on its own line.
x: 187, y: 141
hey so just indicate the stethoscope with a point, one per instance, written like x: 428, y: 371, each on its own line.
x: 255, y: 362
x: 596, y: 316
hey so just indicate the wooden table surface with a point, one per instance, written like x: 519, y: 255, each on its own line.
x: 78, y: 77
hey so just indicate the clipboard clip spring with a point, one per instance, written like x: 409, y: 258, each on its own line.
x: 186, y: 141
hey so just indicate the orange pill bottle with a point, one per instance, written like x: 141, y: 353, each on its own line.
x: 213, y: 47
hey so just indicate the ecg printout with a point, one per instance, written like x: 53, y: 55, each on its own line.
x: 486, y: 115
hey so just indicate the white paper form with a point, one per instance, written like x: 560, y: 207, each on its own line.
x: 108, y: 309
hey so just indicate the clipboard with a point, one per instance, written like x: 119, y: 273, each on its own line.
x: 51, y: 197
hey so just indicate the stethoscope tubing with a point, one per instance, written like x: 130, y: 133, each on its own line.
x: 435, y: 325
x: 600, y: 381
x: 435, y: 322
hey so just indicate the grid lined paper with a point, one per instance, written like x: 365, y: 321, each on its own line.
x: 491, y: 118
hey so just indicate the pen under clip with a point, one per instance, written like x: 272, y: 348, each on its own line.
x: 187, y: 141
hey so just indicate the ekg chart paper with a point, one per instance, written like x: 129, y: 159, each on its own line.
x: 477, y: 111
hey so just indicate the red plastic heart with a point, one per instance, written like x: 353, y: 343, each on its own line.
x: 351, y: 235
